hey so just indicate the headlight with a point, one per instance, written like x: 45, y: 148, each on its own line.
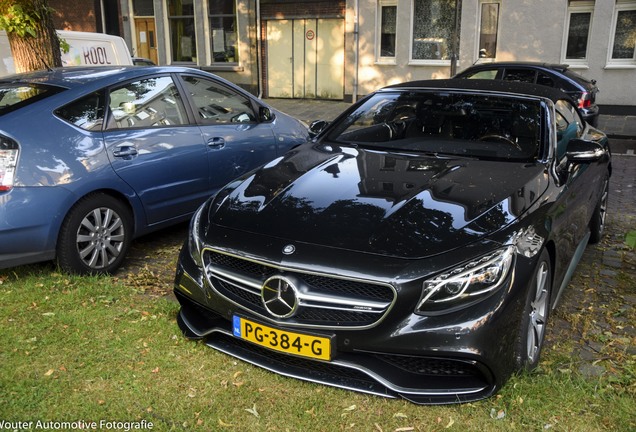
x: 194, y: 239
x: 467, y: 283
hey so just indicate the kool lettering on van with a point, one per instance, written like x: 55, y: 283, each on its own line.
x: 87, y: 55
x: 94, y: 49
x: 85, y: 49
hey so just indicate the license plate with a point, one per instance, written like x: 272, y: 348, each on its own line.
x: 299, y: 344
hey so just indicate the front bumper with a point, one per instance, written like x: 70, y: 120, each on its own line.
x: 446, y: 358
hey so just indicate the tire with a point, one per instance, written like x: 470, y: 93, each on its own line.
x: 597, y: 223
x: 535, y: 316
x: 95, y: 235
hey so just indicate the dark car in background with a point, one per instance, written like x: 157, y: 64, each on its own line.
x: 142, y: 61
x: 92, y: 157
x: 415, y: 248
x: 559, y: 76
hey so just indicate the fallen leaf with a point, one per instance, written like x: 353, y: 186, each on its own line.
x: 400, y: 415
x: 350, y: 408
x: 498, y: 415
x: 405, y: 429
x: 450, y: 423
x: 49, y: 372
x: 253, y: 411
x: 223, y: 424
x: 378, y: 428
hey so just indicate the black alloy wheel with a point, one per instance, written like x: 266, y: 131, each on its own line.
x: 535, y: 317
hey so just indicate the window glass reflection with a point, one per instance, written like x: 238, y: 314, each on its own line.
x: 153, y: 102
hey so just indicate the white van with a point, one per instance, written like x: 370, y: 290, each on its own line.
x: 84, y: 49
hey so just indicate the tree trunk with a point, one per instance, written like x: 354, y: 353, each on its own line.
x: 39, y: 52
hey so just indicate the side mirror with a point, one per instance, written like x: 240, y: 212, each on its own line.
x: 265, y: 114
x: 582, y: 151
x: 316, y: 127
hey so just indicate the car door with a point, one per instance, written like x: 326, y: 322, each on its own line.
x: 579, y: 180
x: 153, y: 147
x: 236, y: 139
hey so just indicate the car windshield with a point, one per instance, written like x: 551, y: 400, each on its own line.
x: 442, y: 122
x: 17, y: 95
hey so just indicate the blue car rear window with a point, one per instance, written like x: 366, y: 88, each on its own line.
x: 86, y: 113
x: 14, y: 96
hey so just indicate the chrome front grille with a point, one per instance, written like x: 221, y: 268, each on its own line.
x: 324, y: 300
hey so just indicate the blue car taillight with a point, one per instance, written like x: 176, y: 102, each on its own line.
x: 9, y: 151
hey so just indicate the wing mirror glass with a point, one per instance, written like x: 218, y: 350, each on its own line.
x: 316, y: 127
x: 265, y: 114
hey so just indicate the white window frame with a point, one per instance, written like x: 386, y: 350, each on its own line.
x: 168, y: 40
x: 420, y: 62
x: 572, y: 8
x: 209, y: 41
x: 379, y: 59
x: 478, y: 31
x: 621, y: 6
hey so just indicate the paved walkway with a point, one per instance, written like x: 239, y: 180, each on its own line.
x: 618, y: 126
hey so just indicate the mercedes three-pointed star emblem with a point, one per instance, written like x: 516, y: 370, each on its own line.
x: 280, y: 296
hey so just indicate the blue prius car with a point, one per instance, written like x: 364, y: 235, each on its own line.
x: 92, y: 157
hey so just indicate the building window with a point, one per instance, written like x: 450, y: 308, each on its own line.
x: 433, y: 28
x: 143, y: 8
x: 182, y: 30
x: 488, y: 25
x: 387, y: 29
x: 623, y: 48
x: 578, y: 25
x: 222, y: 15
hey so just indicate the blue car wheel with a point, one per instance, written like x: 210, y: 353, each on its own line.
x: 95, y: 235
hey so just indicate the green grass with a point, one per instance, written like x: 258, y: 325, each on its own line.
x: 93, y: 349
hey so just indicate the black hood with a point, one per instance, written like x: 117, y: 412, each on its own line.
x: 380, y: 202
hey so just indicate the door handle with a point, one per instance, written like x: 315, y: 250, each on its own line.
x: 216, y: 143
x: 125, y: 151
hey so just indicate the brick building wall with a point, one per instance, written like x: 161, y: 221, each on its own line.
x: 79, y: 15
x: 86, y: 15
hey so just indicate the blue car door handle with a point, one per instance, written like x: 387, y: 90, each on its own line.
x: 216, y: 143
x: 125, y: 151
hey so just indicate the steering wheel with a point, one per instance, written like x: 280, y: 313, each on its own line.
x: 397, y: 129
x: 501, y: 139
